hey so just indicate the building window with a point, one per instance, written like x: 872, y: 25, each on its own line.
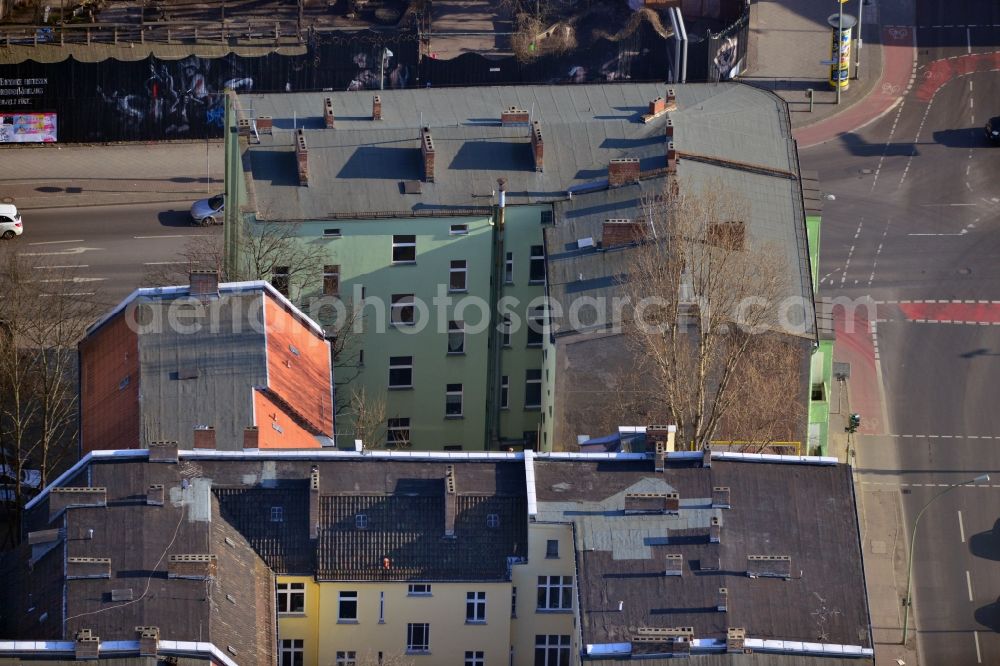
x: 361, y: 521
x: 475, y: 658
x: 459, y: 229
x: 404, y: 249
x: 347, y: 609
x: 277, y: 514
x: 555, y: 593
x: 475, y: 607
x: 508, y: 269
x: 533, y: 389
x: 536, y: 326
x: 418, y: 590
x: 552, y: 548
x: 493, y: 520
x: 505, y: 331
x: 546, y: 217
x: 537, y: 269
x: 457, y: 276
x: 504, y: 392
x: 331, y: 280
x: 551, y: 650
x: 398, y: 432
x: 292, y: 650
x: 418, y: 637
x: 456, y: 337
x: 402, y: 310
x: 346, y: 658
x: 291, y: 597
x: 381, y: 607
x: 332, y: 232
x: 279, y: 279
x: 453, y: 401
x: 513, y: 601
x: 400, y: 372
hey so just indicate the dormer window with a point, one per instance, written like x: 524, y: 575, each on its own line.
x: 361, y: 521
x: 277, y: 514
x: 493, y: 520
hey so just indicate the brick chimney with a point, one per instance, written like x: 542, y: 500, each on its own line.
x: 715, y: 530
x: 204, y: 437
x: 674, y: 564
x: 735, y: 639
x: 149, y: 639
x: 537, y: 147
x: 314, y: 503
x: 671, y: 99
x: 668, y: 129
x: 265, y: 124
x: 328, y: 118
x: 621, y: 231
x: 377, y: 107
x: 450, y: 502
x: 86, y: 645
x: 672, y: 502
x: 79, y: 568
x: 661, y: 439
x: 427, y: 151
x: 70, y: 497
x: 302, y: 157
x: 154, y: 494
x: 657, y: 106
x: 622, y: 171
x: 250, y: 438
x: 193, y: 566
x: 203, y: 283
x: 722, y: 600
x: 514, y: 116
x: 163, y: 452
x: 706, y: 457
x: 720, y: 497
x: 671, y: 157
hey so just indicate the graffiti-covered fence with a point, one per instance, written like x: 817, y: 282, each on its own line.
x: 719, y: 56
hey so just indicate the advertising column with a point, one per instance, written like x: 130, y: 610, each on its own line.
x: 840, y: 68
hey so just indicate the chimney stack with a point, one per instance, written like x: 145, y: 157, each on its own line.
x: 69, y: 497
x: 78, y: 568
x: 537, y: 147
x: 621, y: 231
x: 154, y: 494
x: 163, y: 452
x: 671, y: 158
x: 720, y: 497
x: 514, y: 116
x: 302, y: 153
x: 622, y: 171
x: 715, y: 530
x: 706, y: 457
x: 377, y: 107
x: 657, y: 108
x: 669, y: 129
x: 149, y: 638
x: 86, y: 645
x: 735, y: 639
x: 250, y: 438
x: 722, y: 601
x: 671, y: 99
x: 328, y: 118
x: 427, y: 151
x: 314, y: 503
x: 674, y: 564
x: 203, y: 283
x: 204, y: 437
x: 450, y: 502
x: 192, y: 567
x: 661, y: 438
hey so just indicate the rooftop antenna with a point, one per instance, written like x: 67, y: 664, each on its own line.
x: 621, y: 606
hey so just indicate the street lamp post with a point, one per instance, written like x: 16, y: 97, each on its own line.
x: 913, y: 540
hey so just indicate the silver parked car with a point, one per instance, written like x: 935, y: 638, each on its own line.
x: 208, y: 211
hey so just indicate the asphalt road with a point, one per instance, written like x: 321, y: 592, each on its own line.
x: 115, y: 248
x: 917, y: 218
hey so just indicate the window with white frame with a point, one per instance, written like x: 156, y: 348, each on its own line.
x: 458, y: 275
x: 404, y: 249
x: 291, y: 597
x: 419, y: 590
x: 398, y: 432
x: 402, y: 311
x: 459, y: 229
x: 533, y: 389
x: 280, y: 279
x: 453, y: 400
x: 292, y: 652
x: 555, y: 593
x: 332, y: 232
x: 551, y: 650
x: 418, y: 637
x: 536, y: 326
x: 456, y: 337
x: 537, y: 266
x: 400, y: 372
x: 508, y: 268
x: 475, y: 607
x: 505, y: 331
x: 347, y: 606
x: 331, y: 280
x: 346, y: 658
x: 504, y: 392
x: 277, y: 514
x: 475, y: 658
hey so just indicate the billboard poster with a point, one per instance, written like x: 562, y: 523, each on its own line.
x: 840, y: 56
x: 27, y: 127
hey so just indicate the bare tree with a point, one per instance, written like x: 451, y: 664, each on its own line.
x: 41, y: 321
x: 367, y: 413
x: 703, y: 323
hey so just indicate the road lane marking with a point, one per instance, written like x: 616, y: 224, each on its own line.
x: 183, y: 235
x: 76, y: 280
x: 979, y: 655
x: 75, y: 250
x: 961, y: 527
x: 968, y: 583
x: 164, y: 263
x: 52, y: 268
x: 55, y: 242
x: 968, y: 45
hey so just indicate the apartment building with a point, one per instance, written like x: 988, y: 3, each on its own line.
x: 206, y: 365
x: 317, y: 558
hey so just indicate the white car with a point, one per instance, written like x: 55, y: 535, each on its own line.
x: 10, y: 221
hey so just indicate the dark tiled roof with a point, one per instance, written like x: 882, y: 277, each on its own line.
x: 284, y: 545
x: 776, y: 510
x: 410, y: 531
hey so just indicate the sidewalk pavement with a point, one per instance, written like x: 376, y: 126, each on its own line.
x: 58, y: 176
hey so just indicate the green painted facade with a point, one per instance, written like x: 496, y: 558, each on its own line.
x: 821, y: 364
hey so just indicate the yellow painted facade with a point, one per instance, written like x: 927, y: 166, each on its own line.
x: 384, y: 609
